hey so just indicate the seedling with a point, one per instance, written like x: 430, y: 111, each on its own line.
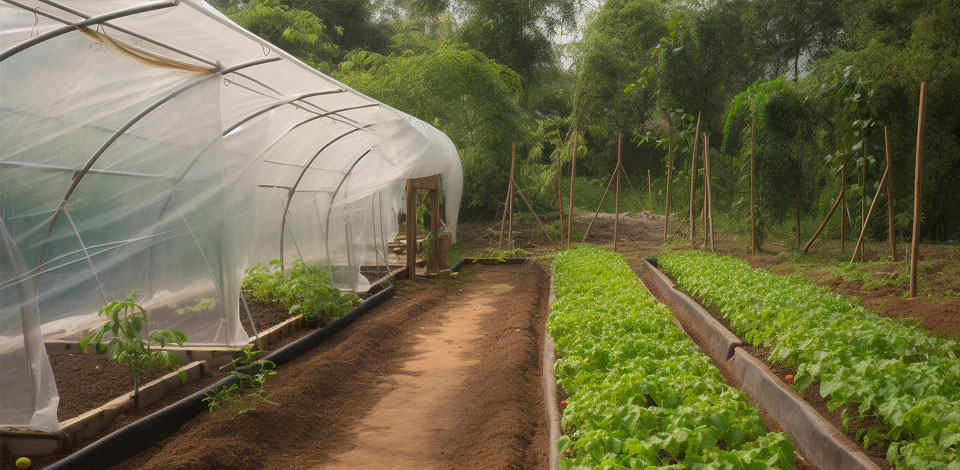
x: 244, y: 394
x: 130, y: 345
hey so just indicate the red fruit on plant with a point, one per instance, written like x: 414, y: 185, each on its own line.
x: 563, y: 402
x: 789, y: 377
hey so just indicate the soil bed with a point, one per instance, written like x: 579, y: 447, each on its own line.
x: 265, y: 315
x: 811, y: 394
x: 444, y: 375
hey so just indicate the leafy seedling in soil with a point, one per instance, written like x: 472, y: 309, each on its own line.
x: 249, y: 390
x: 130, y: 344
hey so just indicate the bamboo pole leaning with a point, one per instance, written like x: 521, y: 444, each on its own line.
x: 693, y: 172
x: 599, y: 206
x: 891, y: 233
x: 709, y: 191
x: 863, y: 229
x: 753, y: 217
x: 666, y: 209
x: 508, y: 206
x: 535, y: 216
x: 917, y: 191
x: 559, y: 197
x: 616, y: 203
x: 823, y: 224
x: 573, y: 178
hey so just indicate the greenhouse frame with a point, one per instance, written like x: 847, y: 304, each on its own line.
x: 159, y: 148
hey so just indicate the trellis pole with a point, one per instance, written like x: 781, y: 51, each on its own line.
x: 917, y: 193
x: 666, y: 209
x: 693, y: 172
x: 891, y: 233
x: 573, y: 178
x: 753, y: 217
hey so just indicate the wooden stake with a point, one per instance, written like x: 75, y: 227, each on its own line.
x: 706, y: 147
x: 411, y: 197
x: 823, y: 224
x: 666, y: 209
x: 917, y: 192
x: 863, y: 209
x: 513, y: 158
x: 798, y: 212
x: 843, y: 203
x: 753, y: 217
x: 863, y: 230
x: 535, y: 216
x: 503, y: 218
x: 693, y: 171
x: 573, y: 178
x: 891, y: 233
x: 436, y: 263
x: 682, y: 223
x: 595, y: 214
x: 616, y: 204
x: 706, y: 232
x: 559, y: 198
x: 623, y: 172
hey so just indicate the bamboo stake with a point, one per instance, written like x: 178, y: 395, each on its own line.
x: 573, y: 178
x: 595, y: 214
x: 706, y: 232
x: 559, y: 198
x: 666, y: 209
x: 843, y: 203
x: 503, y: 218
x: 616, y: 204
x: 823, y: 224
x: 891, y: 233
x: 798, y: 212
x: 863, y: 209
x: 753, y: 217
x: 706, y: 147
x: 513, y: 158
x: 682, y: 223
x: 693, y: 171
x: 863, y: 230
x: 535, y: 217
x: 917, y: 193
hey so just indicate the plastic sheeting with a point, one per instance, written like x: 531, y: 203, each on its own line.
x: 163, y: 151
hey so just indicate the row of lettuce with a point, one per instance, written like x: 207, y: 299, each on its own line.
x: 641, y: 394
x: 894, y: 373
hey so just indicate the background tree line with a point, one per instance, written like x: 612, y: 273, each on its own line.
x: 819, y: 78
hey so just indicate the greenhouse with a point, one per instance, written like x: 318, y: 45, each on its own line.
x: 157, y: 147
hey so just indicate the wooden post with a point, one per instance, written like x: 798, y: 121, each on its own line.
x: 891, y: 233
x: 573, y: 178
x: 709, y: 191
x: 753, y: 217
x: 616, y: 204
x: 798, y: 211
x: 513, y: 159
x: 917, y: 192
x: 649, y: 190
x: 863, y: 208
x: 437, y: 264
x: 411, y: 196
x: 823, y: 224
x: 863, y: 229
x: 666, y: 209
x: 559, y: 198
x: 693, y: 172
x: 706, y: 232
x: 843, y: 203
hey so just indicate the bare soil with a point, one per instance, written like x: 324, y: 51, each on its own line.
x: 86, y: 381
x: 444, y: 375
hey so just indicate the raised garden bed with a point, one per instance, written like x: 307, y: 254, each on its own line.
x: 640, y: 392
x: 873, y: 377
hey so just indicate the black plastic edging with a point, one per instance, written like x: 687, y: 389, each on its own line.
x: 140, y: 435
x: 816, y: 438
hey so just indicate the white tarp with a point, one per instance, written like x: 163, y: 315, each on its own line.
x: 158, y: 151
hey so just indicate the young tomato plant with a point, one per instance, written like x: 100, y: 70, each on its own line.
x: 130, y: 344
x: 249, y: 389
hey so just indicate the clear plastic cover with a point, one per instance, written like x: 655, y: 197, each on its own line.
x: 165, y: 151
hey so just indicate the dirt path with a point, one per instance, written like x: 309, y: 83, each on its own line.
x: 444, y: 375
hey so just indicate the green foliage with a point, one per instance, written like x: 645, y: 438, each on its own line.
x: 298, y: 32
x: 248, y: 390
x: 471, y: 98
x: 895, y: 371
x: 500, y: 255
x: 303, y: 289
x: 641, y: 394
x: 129, y: 343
